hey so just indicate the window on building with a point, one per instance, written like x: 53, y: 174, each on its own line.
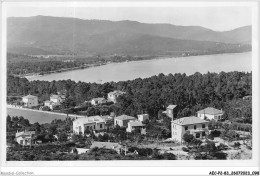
x: 195, y: 127
x: 101, y: 126
x: 197, y: 135
x: 186, y: 127
x: 203, y: 133
x: 203, y: 125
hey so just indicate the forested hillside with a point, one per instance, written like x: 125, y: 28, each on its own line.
x: 151, y: 95
x: 57, y: 35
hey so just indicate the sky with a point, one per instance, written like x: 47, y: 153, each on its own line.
x: 216, y: 18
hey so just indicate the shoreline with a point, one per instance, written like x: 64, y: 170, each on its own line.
x: 47, y: 112
x: 35, y: 75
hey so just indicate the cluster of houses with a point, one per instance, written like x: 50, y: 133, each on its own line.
x: 195, y: 125
x: 56, y: 99
x: 97, y: 123
x: 111, y: 97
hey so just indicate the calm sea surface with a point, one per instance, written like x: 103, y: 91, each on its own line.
x: 143, y: 69
x: 35, y: 116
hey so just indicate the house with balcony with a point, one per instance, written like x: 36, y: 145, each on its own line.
x: 123, y: 120
x: 210, y: 114
x: 112, y: 96
x: 191, y: 125
x: 30, y: 101
x: 93, y: 123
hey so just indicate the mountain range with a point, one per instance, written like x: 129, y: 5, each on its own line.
x: 59, y: 35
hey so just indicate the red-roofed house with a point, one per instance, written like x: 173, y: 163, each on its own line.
x: 192, y: 125
x: 210, y: 113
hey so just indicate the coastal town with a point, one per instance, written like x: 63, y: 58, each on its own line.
x: 130, y: 136
x: 82, y: 88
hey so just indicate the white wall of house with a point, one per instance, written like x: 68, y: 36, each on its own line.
x: 169, y: 112
x: 22, y: 140
x: 143, y: 117
x: 118, y: 122
x: 112, y: 97
x: 30, y: 102
x: 80, y: 127
x: 178, y: 130
x: 209, y: 116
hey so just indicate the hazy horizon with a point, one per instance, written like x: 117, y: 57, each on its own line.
x: 213, y: 18
x: 128, y: 20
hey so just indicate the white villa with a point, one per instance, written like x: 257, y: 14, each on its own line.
x: 94, y: 123
x: 123, y: 120
x: 112, y: 96
x: 136, y: 125
x: 210, y: 113
x: 30, y: 101
x: 57, y: 99
x: 24, y: 138
x: 192, y: 125
x: 97, y: 101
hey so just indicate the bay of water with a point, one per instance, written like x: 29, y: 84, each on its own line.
x: 147, y: 68
x: 35, y: 116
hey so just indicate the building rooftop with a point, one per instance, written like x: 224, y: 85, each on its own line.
x: 53, y: 96
x: 98, y: 99
x: 125, y: 117
x: 117, y: 92
x: 171, y: 106
x: 107, y: 145
x: 30, y: 96
x: 106, y: 117
x: 189, y: 121
x: 142, y: 114
x: 91, y: 119
x: 136, y: 123
x: 210, y: 110
x: 24, y: 133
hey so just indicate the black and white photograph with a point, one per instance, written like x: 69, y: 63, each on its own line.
x: 132, y: 83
